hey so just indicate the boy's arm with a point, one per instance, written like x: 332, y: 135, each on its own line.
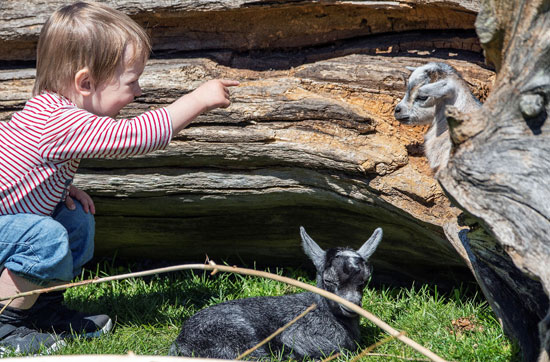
x: 73, y: 133
x: 210, y: 95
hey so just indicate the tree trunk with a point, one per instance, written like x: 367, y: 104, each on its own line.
x: 500, y: 169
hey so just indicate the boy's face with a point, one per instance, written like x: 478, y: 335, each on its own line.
x: 111, y: 96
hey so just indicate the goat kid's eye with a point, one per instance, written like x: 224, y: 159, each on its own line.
x: 331, y: 283
x: 422, y: 98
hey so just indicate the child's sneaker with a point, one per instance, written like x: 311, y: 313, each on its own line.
x: 49, y: 314
x: 27, y: 341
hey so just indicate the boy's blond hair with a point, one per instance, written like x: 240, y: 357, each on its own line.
x: 85, y: 34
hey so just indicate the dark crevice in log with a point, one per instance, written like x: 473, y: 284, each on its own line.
x: 459, y: 44
x: 13, y: 65
x: 351, y: 124
x: 415, y: 149
x: 278, y: 235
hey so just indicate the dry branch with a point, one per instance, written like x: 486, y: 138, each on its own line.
x: 396, y: 356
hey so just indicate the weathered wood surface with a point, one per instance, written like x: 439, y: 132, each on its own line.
x: 314, y: 145
x: 247, y: 25
x: 499, y: 172
x: 309, y: 140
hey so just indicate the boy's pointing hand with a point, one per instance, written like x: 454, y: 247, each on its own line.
x: 215, y: 93
x: 208, y: 96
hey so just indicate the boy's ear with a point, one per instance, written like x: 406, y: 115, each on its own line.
x: 83, y: 82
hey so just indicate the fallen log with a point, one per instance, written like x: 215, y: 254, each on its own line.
x: 309, y: 140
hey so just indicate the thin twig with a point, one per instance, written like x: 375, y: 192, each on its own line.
x: 374, y: 319
x: 6, y: 305
x: 334, y: 356
x: 277, y: 332
x: 396, y: 356
x: 373, y: 346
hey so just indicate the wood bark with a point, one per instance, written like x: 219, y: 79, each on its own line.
x: 309, y: 140
x: 297, y: 147
x: 243, y: 25
x: 499, y: 171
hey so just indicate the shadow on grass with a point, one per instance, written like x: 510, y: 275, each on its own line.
x: 161, y: 303
x: 175, y: 296
x: 178, y: 295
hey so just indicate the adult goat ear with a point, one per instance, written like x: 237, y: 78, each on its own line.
x: 312, y: 250
x: 369, y: 247
x: 437, y: 90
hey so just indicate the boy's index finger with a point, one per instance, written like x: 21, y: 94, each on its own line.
x: 230, y: 82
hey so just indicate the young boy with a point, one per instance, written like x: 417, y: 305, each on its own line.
x: 89, y: 60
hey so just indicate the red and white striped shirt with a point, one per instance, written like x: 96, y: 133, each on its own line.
x: 41, y: 147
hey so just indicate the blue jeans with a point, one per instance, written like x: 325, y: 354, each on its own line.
x: 43, y: 249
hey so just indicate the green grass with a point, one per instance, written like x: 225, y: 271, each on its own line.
x: 149, y: 312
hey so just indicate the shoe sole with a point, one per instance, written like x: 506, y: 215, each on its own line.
x: 51, y: 349
x: 106, y: 329
x: 56, y: 347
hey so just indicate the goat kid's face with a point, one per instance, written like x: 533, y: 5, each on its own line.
x: 346, y: 275
x: 342, y: 271
x: 416, y: 107
x: 429, y: 85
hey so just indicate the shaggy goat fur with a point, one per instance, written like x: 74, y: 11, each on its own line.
x: 229, y: 329
x: 431, y: 88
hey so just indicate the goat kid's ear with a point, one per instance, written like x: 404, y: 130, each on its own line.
x: 412, y: 69
x: 440, y: 89
x: 312, y: 250
x: 369, y: 247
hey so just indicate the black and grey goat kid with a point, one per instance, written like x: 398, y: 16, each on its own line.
x: 229, y: 329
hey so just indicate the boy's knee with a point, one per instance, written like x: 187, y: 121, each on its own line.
x: 83, y: 221
x: 75, y: 221
x: 42, y: 253
x: 54, y: 238
x: 51, y: 231
x: 89, y: 221
x: 80, y: 226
